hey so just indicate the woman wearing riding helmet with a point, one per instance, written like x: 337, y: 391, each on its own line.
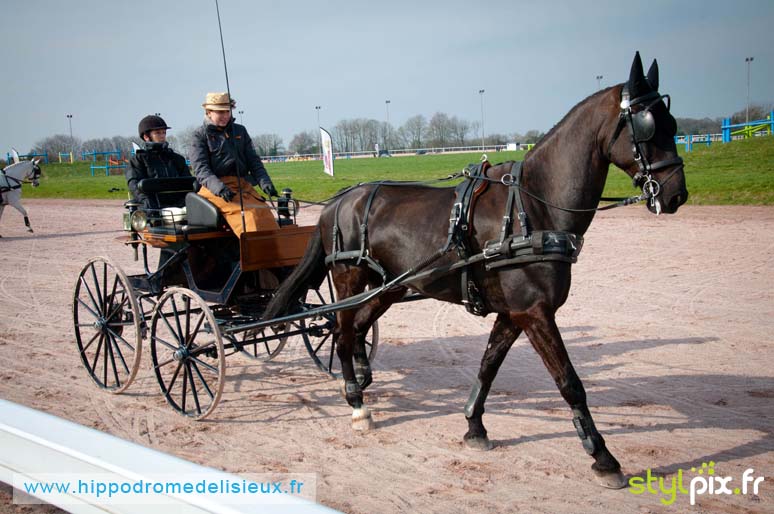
x: 155, y: 160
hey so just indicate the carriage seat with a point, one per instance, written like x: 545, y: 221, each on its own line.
x: 199, y: 216
x: 167, y: 192
x: 202, y: 214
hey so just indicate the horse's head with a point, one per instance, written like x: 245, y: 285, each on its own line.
x: 647, y: 150
x: 25, y: 171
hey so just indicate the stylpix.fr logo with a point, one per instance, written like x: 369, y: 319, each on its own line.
x: 705, y: 482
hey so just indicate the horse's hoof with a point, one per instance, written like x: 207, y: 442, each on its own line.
x: 479, y: 444
x: 362, y: 421
x: 611, y: 479
x: 30, y: 230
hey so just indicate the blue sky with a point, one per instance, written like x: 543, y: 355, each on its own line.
x: 111, y: 62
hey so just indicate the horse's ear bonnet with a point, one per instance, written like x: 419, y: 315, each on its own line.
x: 638, y: 85
x: 652, y: 77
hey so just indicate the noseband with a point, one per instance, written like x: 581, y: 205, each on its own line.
x: 642, y: 127
x: 35, y: 175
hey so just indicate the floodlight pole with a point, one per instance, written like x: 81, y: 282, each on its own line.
x: 70, y: 121
x: 748, y: 60
x: 319, y: 134
x: 481, y: 93
x: 387, y: 128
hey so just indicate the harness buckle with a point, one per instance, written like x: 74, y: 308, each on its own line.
x: 651, y: 188
x: 493, y: 251
x: 456, y: 212
x: 507, y: 180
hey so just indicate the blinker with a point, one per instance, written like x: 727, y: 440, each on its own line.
x: 644, y: 126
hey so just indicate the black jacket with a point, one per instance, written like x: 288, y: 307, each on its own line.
x: 154, y: 163
x: 218, y: 152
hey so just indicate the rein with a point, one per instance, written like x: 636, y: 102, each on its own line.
x: 509, y: 180
x: 325, y: 202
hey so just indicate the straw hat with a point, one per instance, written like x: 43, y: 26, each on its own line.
x: 218, y: 102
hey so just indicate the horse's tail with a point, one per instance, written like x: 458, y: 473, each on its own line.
x: 309, y: 273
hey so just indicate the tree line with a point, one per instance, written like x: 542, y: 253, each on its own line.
x: 362, y: 134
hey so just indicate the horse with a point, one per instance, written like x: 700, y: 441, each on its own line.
x: 11, y: 179
x: 557, y: 191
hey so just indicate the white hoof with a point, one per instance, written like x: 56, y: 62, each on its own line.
x: 362, y: 420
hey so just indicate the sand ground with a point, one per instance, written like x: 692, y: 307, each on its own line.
x: 669, y: 324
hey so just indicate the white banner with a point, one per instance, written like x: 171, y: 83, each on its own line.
x: 327, y: 151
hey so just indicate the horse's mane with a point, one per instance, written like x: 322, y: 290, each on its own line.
x: 11, y: 169
x: 543, y: 140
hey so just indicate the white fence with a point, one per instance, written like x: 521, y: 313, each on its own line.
x: 35, y: 446
x: 390, y: 153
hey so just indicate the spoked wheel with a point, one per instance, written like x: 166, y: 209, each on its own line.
x: 318, y: 337
x: 261, y: 344
x: 108, y: 325
x: 187, y: 353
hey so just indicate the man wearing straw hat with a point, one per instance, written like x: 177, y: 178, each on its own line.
x: 225, y: 162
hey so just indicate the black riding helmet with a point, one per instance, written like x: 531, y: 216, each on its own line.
x: 151, y: 122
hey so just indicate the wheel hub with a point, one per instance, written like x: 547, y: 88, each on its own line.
x: 181, y: 354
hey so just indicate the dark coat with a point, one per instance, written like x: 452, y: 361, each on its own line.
x: 156, y: 162
x: 219, y: 152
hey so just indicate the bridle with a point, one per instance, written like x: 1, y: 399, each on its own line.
x: 642, y: 128
x: 35, y: 176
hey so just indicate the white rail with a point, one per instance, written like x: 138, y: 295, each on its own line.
x: 34, y: 444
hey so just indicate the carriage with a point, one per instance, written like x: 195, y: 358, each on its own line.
x: 201, y: 304
x: 510, y: 255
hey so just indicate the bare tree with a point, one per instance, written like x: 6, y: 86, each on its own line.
x: 343, y: 136
x: 269, y: 145
x: 517, y: 138
x: 532, y: 136
x: 438, y: 130
x: 121, y: 143
x: 414, y: 131
x: 459, y: 130
x: 52, y: 145
x: 304, y: 143
x: 757, y: 112
x: 496, y: 139
x: 184, y: 140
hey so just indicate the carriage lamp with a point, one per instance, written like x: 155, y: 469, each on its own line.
x: 284, y: 203
x: 139, y: 221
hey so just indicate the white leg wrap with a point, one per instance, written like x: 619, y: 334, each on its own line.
x: 361, y: 419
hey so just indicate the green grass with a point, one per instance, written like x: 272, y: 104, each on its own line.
x: 741, y: 173
x: 736, y: 173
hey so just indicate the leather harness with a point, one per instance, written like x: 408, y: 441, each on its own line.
x: 6, y: 185
x: 509, y: 250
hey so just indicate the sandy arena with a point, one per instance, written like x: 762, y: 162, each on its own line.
x: 669, y: 324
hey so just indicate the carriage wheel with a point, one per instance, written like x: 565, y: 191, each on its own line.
x: 108, y: 325
x: 255, y: 345
x: 319, y: 341
x: 187, y: 353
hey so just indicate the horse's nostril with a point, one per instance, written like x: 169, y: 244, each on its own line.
x: 678, y: 200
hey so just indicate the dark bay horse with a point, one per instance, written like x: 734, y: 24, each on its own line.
x: 562, y: 180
